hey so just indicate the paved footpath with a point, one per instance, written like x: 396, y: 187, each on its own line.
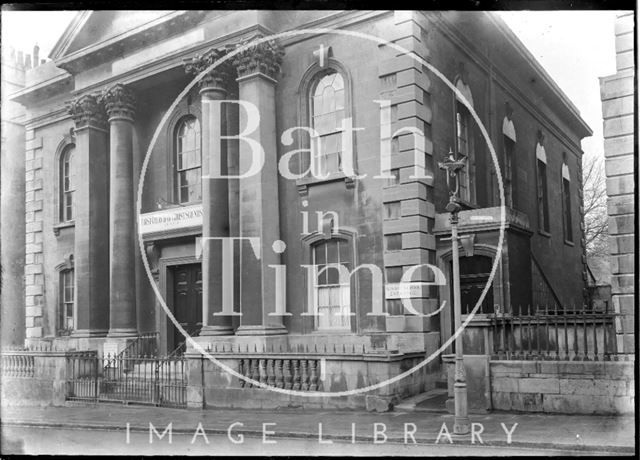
x: 536, y: 431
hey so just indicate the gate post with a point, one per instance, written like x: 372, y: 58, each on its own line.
x: 195, y: 380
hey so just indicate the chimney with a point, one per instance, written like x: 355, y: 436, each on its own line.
x: 36, y: 55
x: 27, y: 62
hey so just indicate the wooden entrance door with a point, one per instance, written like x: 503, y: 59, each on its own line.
x: 187, y: 302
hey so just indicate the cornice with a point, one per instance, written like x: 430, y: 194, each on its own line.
x: 479, y: 59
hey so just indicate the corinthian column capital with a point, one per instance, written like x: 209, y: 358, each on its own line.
x: 216, y: 78
x: 264, y: 58
x: 119, y: 102
x: 87, y: 111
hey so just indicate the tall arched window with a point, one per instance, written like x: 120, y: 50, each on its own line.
x: 327, y: 104
x: 188, y: 161
x: 67, y: 184
x: 566, y: 200
x: 541, y: 185
x: 464, y: 138
x: 332, y: 293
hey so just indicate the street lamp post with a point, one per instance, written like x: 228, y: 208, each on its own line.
x: 453, y: 167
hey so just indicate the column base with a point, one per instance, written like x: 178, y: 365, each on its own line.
x: 208, y: 331
x: 262, y: 330
x: 123, y: 332
x: 84, y: 333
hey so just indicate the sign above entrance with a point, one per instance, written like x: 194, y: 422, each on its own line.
x: 403, y: 290
x: 168, y: 220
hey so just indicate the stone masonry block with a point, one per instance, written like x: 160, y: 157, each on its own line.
x: 616, y: 146
x: 33, y: 311
x: 32, y: 144
x: 622, y: 284
x: 533, y: 385
x: 620, y: 185
x: 624, y: 24
x: 623, y: 204
x: 621, y: 224
x: 504, y: 384
x: 624, y: 42
x: 591, y: 387
x: 624, y: 60
x: 32, y: 248
x: 34, y: 205
x: 34, y: 332
x: 618, y: 126
x: 621, y: 244
x: 617, y: 107
x: 622, y: 264
x: 34, y: 226
x: 617, y: 85
x: 34, y: 289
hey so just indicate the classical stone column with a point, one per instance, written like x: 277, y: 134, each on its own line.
x: 215, y: 192
x: 257, y: 68
x: 119, y: 103
x: 91, y: 243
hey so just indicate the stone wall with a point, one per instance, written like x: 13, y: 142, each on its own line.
x: 34, y: 258
x: 567, y: 387
x: 617, y: 94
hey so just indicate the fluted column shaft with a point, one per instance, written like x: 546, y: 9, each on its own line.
x: 119, y: 103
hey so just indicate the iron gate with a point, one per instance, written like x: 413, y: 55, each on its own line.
x: 129, y: 380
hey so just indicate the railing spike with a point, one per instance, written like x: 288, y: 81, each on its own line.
x: 315, y: 347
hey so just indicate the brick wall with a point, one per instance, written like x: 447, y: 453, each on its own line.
x: 567, y: 387
x: 617, y: 94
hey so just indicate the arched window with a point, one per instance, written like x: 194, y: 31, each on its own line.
x: 566, y: 200
x: 67, y: 184
x: 332, y: 293
x: 188, y: 161
x: 464, y: 138
x: 327, y: 108
x: 509, y: 138
x: 541, y: 185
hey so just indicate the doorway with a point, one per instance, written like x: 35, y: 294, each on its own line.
x: 187, y: 304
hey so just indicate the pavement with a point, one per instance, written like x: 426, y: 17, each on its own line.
x: 610, y: 434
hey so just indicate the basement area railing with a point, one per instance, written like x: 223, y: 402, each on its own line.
x: 575, y: 335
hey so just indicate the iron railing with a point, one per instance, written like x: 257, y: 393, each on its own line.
x: 140, y: 380
x: 576, y: 335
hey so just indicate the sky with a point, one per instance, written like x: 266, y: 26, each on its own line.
x: 574, y: 47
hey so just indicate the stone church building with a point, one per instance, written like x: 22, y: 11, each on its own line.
x: 113, y: 101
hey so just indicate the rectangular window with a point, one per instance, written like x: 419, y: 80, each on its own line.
x: 332, y: 294
x: 392, y: 210
x: 393, y: 242
x: 543, y: 200
x: 566, y: 199
x: 67, y: 300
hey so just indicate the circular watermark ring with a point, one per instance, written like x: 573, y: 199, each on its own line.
x: 428, y: 359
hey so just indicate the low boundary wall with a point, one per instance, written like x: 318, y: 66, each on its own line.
x: 566, y: 387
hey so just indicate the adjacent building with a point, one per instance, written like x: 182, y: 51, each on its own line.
x: 618, y: 98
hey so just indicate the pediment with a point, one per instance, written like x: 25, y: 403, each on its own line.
x: 91, y: 28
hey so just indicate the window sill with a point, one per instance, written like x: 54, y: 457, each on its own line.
x: 543, y: 233
x: 57, y: 227
x: 304, y: 183
x: 569, y: 243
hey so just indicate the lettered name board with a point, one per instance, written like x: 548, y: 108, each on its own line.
x: 403, y: 290
x: 171, y: 219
